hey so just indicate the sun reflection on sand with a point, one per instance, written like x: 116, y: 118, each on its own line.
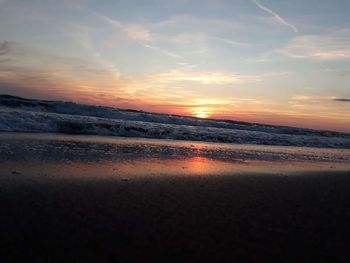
x: 89, y: 157
x: 198, y: 165
x: 125, y: 170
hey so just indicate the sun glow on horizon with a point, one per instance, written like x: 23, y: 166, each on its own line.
x: 258, y: 62
x: 201, y: 113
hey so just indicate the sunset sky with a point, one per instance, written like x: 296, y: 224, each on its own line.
x: 269, y: 61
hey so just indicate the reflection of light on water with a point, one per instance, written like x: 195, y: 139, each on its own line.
x: 67, y: 156
x: 188, y: 166
x: 127, y: 169
x: 198, y: 165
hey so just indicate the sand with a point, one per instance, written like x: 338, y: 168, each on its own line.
x: 244, y: 217
x: 104, y: 215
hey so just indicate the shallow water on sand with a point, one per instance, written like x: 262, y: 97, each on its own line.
x: 77, y: 156
x: 110, y: 199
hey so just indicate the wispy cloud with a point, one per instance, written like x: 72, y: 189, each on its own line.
x: 194, y: 23
x: 312, y: 98
x: 140, y: 34
x: 185, y: 29
x: 276, y: 16
x: 187, y: 74
x: 204, y: 77
x: 133, y: 31
x: 232, y: 42
x: 319, y: 99
x: 319, y: 47
x: 40, y: 70
x: 6, y: 47
x: 342, y: 99
x: 163, y: 51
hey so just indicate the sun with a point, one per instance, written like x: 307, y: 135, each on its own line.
x: 202, y: 114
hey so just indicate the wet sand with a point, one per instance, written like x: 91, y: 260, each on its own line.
x: 47, y: 214
x: 217, y: 219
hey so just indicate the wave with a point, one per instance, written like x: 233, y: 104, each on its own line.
x: 25, y: 115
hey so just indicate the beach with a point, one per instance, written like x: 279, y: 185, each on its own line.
x: 100, y: 201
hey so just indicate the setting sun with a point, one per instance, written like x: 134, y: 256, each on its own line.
x: 201, y: 113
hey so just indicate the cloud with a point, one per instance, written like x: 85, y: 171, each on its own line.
x: 342, y: 99
x: 276, y: 16
x: 85, y: 39
x: 41, y: 72
x: 199, y: 77
x: 5, y: 47
x: 163, y: 51
x: 319, y: 47
x: 312, y: 97
x: 318, y: 99
x: 185, y: 84
x: 25, y: 58
x: 179, y: 29
x: 195, y: 24
x: 133, y: 31
x: 23, y: 90
x: 138, y: 32
x: 144, y: 33
x: 333, y: 46
x: 188, y: 74
x: 344, y: 73
x: 322, y: 47
x: 233, y: 43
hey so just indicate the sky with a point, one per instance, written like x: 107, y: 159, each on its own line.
x: 267, y: 61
